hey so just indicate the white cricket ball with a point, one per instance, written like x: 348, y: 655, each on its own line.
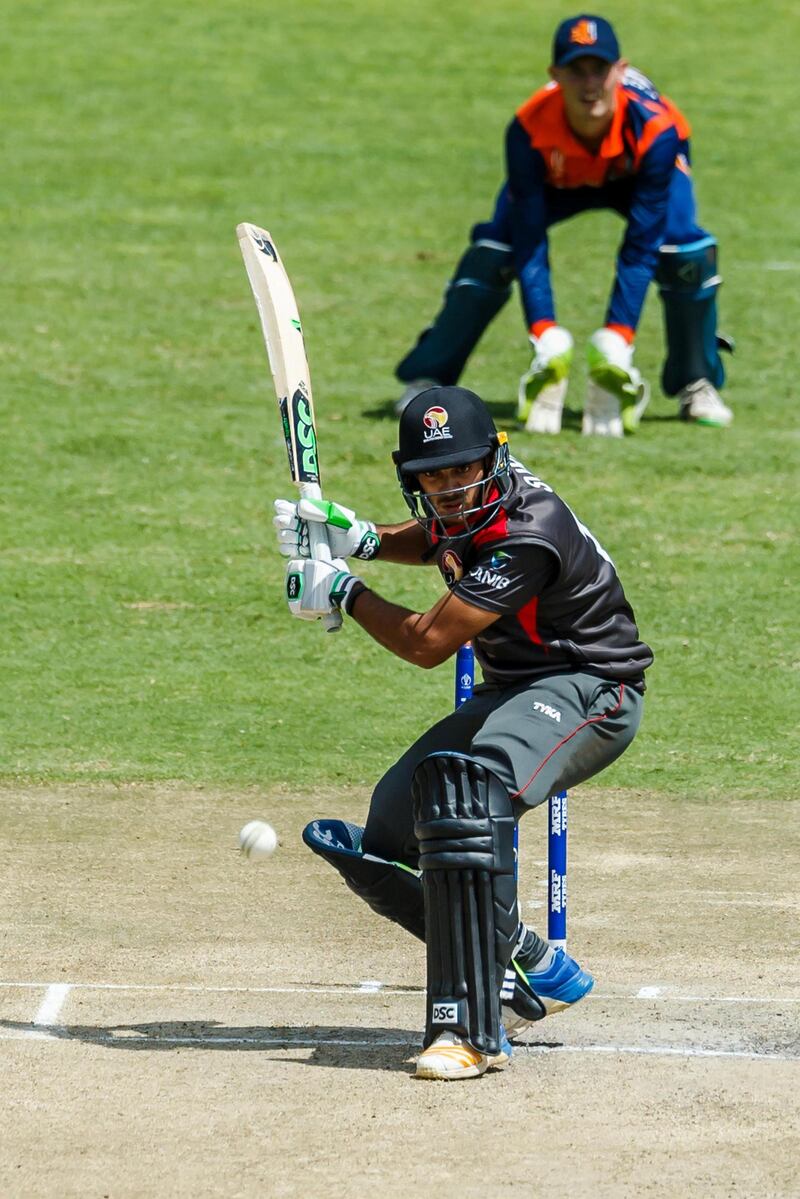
x: 258, y: 840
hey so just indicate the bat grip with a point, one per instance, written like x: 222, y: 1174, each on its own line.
x: 320, y: 550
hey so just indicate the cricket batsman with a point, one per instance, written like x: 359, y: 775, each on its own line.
x: 563, y: 669
x: 599, y: 135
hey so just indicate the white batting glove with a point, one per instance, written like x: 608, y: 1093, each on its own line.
x: 347, y: 536
x: 316, y: 589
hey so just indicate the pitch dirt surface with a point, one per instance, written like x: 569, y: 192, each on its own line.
x: 175, y: 1021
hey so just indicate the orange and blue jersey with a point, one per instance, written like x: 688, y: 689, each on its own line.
x: 640, y: 170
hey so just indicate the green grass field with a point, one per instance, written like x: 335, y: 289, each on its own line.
x: 144, y: 631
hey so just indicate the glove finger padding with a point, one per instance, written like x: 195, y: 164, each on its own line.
x: 291, y: 531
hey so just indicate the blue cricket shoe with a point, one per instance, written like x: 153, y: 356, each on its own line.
x: 527, y: 998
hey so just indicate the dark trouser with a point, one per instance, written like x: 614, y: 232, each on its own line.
x: 539, y: 738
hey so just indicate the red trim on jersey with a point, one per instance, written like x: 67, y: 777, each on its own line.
x: 494, y: 531
x: 527, y: 618
x: 569, y: 736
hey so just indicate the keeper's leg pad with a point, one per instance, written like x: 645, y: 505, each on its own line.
x: 472, y: 298
x: 464, y: 823
x: 688, y: 283
x: 391, y: 889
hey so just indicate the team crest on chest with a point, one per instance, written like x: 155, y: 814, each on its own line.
x: 451, y: 567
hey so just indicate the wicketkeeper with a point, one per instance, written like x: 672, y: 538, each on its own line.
x: 599, y: 135
x: 563, y: 666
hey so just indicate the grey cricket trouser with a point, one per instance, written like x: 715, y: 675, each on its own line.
x: 541, y: 737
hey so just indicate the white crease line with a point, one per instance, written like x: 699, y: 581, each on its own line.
x: 190, y: 988
x: 312, y: 1043
x: 663, y: 1051
x: 48, y: 1012
x: 52, y: 1003
x: 648, y: 992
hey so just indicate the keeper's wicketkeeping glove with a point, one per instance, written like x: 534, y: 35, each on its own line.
x: 552, y: 356
x: 610, y: 360
x: 347, y: 536
x: 315, y: 589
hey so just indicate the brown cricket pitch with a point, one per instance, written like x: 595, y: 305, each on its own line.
x: 192, y: 1077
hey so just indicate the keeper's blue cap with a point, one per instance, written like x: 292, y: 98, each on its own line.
x: 584, y: 35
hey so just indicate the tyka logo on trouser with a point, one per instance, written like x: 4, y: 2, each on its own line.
x: 547, y: 710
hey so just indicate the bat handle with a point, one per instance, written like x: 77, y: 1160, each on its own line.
x: 320, y: 549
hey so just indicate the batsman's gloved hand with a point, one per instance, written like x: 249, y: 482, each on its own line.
x: 610, y: 358
x: 314, y: 589
x: 347, y: 537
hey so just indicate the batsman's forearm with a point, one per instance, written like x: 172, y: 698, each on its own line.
x: 403, y: 543
x: 395, y: 628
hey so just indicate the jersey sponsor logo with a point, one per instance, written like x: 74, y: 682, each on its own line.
x: 498, y: 559
x: 547, y: 710
x: 436, y: 427
x: 489, y: 578
x: 452, y: 567
x: 444, y: 1013
x: 583, y: 33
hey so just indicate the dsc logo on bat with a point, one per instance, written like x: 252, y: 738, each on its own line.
x: 305, y: 436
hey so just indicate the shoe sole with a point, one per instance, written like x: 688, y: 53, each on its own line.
x: 494, y: 1061
x: 708, y: 424
x: 437, y: 1074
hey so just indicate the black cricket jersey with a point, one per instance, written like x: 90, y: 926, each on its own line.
x: 561, y: 602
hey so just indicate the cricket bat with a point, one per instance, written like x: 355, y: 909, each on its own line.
x: 283, y: 335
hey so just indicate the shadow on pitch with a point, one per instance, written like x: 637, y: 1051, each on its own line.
x: 330, y: 1045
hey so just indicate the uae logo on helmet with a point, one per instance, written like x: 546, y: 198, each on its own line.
x: 435, y: 422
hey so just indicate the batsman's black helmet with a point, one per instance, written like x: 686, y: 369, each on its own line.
x: 444, y: 427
